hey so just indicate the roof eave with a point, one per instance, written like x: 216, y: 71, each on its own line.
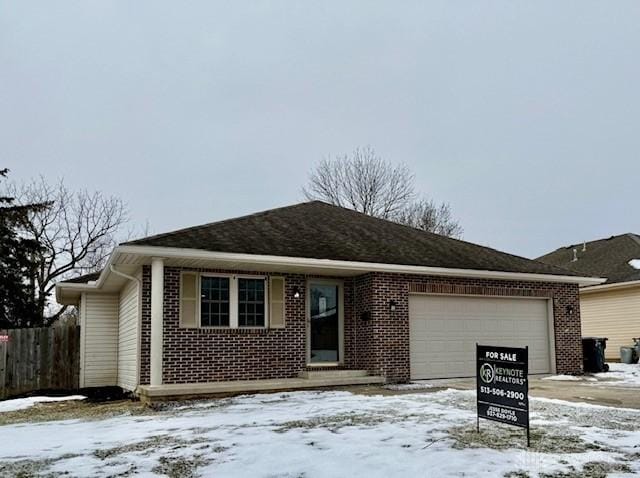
x: 607, y: 287
x: 320, y: 264
x: 92, y: 286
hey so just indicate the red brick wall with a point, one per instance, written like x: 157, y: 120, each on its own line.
x: 203, y: 355
x: 380, y: 344
x: 391, y: 329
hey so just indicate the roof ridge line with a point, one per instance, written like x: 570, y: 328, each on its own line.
x: 462, y: 241
x: 608, y: 238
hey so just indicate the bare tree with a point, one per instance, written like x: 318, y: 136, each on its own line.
x: 362, y: 181
x: 367, y: 183
x: 429, y: 216
x: 76, y: 233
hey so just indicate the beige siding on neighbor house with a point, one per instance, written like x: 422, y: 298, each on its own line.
x: 99, y: 343
x: 129, y: 311
x: 614, y: 314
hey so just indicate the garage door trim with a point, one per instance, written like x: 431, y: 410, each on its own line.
x: 549, y: 307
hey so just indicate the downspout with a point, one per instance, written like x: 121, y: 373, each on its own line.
x: 122, y: 274
x: 139, y: 282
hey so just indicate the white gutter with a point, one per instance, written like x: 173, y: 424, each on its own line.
x: 606, y: 287
x: 328, y: 264
x: 173, y: 252
x: 122, y: 274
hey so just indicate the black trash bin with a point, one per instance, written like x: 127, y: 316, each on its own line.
x: 593, y: 354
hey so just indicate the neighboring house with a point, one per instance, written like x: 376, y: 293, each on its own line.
x: 313, y: 294
x: 612, y: 309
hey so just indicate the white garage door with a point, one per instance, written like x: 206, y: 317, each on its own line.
x: 444, y: 331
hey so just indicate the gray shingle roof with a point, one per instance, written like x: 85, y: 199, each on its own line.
x: 603, y: 258
x: 84, y: 278
x: 323, y: 231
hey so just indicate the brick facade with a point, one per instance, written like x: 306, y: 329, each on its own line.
x: 386, y: 351
x: 375, y: 338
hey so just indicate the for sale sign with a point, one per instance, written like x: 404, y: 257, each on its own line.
x: 503, y: 385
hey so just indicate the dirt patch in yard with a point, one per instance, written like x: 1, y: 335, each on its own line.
x: 74, y: 410
x: 180, y: 467
x: 171, y: 463
x: 593, y: 469
x: 168, y: 442
x: 500, y: 437
x: 334, y: 422
x: 30, y: 468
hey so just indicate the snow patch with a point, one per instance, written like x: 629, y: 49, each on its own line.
x: 623, y: 375
x: 409, y: 386
x: 570, y: 378
x: 635, y: 263
x: 22, y: 403
x: 563, y: 378
x: 566, y: 403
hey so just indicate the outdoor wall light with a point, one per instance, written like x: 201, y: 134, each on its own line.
x: 296, y: 292
x: 570, y: 309
x: 392, y: 305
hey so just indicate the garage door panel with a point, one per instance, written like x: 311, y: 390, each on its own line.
x: 445, y: 329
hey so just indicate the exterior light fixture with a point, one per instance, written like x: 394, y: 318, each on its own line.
x: 392, y: 305
x: 570, y: 309
x: 296, y: 292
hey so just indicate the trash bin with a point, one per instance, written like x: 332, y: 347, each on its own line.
x: 628, y: 355
x: 593, y: 354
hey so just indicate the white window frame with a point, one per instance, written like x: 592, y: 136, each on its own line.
x: 233, y: 300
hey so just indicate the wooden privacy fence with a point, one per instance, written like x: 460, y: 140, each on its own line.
x: 45, y: 358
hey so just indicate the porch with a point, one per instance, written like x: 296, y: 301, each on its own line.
x: 306, y: 380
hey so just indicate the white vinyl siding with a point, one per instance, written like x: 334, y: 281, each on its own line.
x: 99, y: 350
x: 444, y: 331
x: 129, y: 311
x: 613, y: 314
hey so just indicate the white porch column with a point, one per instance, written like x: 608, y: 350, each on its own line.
x: 157, y: 314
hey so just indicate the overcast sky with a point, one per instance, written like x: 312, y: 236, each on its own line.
x: 524, y: 116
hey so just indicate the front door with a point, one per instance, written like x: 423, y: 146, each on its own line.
x: 325, y: 323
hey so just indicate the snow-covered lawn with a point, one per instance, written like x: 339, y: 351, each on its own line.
x: 328, y: 434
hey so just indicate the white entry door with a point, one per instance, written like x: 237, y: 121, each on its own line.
x: 444, y: 331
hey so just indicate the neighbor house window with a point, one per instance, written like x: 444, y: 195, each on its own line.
x: 231, y: 301
x: 251, y: 302
x: 214, y: 301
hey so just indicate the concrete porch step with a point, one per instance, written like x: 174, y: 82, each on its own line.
x: 332, y: 373
x: 179, y: 391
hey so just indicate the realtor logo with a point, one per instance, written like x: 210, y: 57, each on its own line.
x: 487, y: 373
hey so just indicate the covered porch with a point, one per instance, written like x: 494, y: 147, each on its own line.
x: 306, y: 380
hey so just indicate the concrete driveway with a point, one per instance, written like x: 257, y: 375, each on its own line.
x: 599, y: 393
x: 618, y: 388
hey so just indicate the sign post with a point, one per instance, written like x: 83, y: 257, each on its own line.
x: 503, y: 385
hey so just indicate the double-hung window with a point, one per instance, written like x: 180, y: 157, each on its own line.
x: 232, y: 302
x: 214, y: 301
x: 251, y: 303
